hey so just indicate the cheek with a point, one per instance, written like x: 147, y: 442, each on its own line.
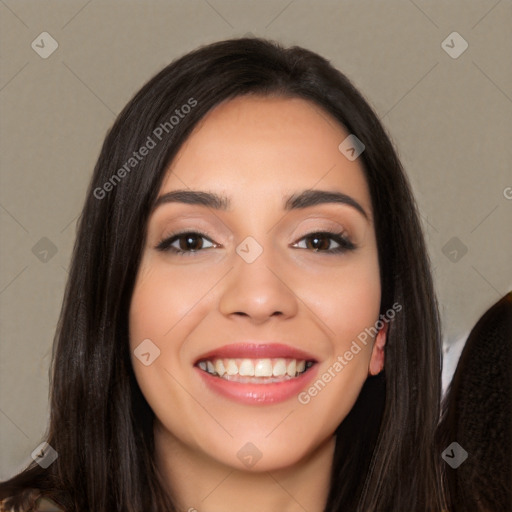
x: 348, y: 300
x: 357, y: 305
x: 163, y: 298
x: 165, y: 307
x: 349, y: 306
x: 162, y: 310
x: 155, y: 308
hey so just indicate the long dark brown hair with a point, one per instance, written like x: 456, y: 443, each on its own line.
x: 477, y: 415
x: 101, y: 425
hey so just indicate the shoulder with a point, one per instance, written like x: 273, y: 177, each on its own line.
x: 41, y: 504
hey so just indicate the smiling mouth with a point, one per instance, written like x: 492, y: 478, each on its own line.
x: 255, y: 371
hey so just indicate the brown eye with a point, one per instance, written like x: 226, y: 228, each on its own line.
x: 190, y: 242
x: 318, y: 242
x: 185, y: 243
x: 321, y: 242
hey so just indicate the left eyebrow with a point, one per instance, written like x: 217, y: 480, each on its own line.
x: 304, y: 199
x: 309, y: 198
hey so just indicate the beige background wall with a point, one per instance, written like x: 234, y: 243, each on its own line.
x: 449, y: 118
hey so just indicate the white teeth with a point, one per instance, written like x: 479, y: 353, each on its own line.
x: 291, y: 369
x: 246, y: 368
x: 219, y: 367
x: 263, y: 368
x: 268, y: 370
x: 231, y: 368
x: 279, y: 368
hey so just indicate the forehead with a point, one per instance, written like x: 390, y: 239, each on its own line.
x: 266, y: 147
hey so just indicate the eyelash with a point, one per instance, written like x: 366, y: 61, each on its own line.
x: 345, y: 244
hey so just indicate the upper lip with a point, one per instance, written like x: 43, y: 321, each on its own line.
x: 256, y: 350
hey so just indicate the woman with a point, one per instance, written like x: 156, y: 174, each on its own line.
x: 250, y: 321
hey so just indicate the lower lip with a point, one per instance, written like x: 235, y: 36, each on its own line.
x: 255, y: 394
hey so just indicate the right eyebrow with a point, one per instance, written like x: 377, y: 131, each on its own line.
x: 208, y: 199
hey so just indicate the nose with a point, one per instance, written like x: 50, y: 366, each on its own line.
x: 258, y: 290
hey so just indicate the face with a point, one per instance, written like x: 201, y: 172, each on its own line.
x: 269, y: 287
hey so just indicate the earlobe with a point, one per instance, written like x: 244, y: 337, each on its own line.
x: 378, y: 354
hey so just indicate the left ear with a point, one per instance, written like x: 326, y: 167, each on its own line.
x: 377, y: 359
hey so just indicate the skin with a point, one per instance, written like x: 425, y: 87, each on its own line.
x: 257, y: 151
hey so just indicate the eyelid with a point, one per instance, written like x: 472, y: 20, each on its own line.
x: 320, y: 224
x: 185, y: 231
